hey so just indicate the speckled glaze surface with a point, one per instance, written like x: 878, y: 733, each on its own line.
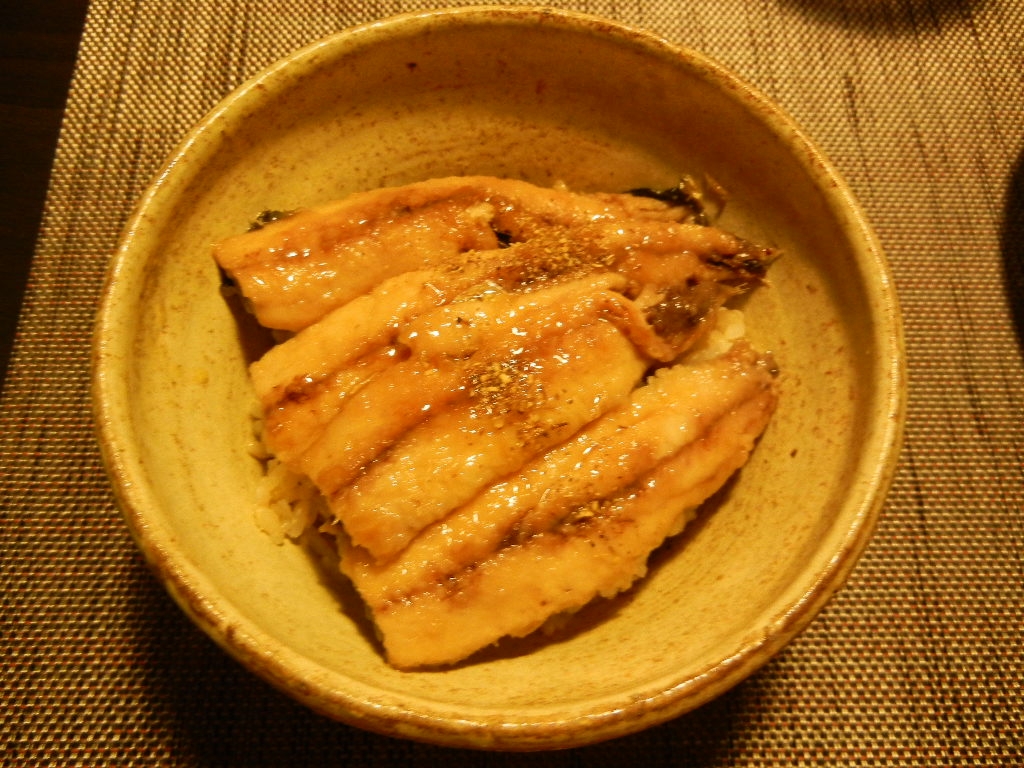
x: 546, y: 96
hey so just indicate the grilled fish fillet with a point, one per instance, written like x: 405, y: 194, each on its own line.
x: 438, y: 603
x: 489, y: 384
x: 296, y: 270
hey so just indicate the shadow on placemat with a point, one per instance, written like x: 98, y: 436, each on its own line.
x: 876, y: 17
x: 1012, y: 242
x: 218, y: 713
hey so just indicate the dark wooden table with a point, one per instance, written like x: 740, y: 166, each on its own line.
x: 38, y: 43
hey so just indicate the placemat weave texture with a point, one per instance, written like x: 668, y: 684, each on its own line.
x: 919, y: 661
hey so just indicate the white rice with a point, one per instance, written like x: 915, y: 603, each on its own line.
x: 287, y: 503
x: 728, y: 329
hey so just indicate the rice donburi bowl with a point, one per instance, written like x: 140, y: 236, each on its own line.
x: 597, y: 106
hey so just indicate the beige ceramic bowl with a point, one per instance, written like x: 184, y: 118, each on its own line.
x: 546, y: 96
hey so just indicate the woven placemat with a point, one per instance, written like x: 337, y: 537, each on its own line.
x: 919, y: 661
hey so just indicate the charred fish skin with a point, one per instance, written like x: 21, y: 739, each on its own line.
x: 490, y: 383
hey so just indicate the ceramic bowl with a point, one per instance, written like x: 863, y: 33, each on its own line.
x: 546, y: 96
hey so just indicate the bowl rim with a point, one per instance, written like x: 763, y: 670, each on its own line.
x: 391, y: 714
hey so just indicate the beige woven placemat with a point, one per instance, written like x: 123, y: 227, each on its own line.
x: 918, y: 662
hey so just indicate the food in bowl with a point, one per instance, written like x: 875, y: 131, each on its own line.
x: 505, y: 396
x: 538, y: 94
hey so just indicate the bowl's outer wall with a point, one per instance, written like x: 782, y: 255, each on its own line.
x: 548, y: 97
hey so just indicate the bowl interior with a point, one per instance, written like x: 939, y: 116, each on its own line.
x: 547, y: 97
